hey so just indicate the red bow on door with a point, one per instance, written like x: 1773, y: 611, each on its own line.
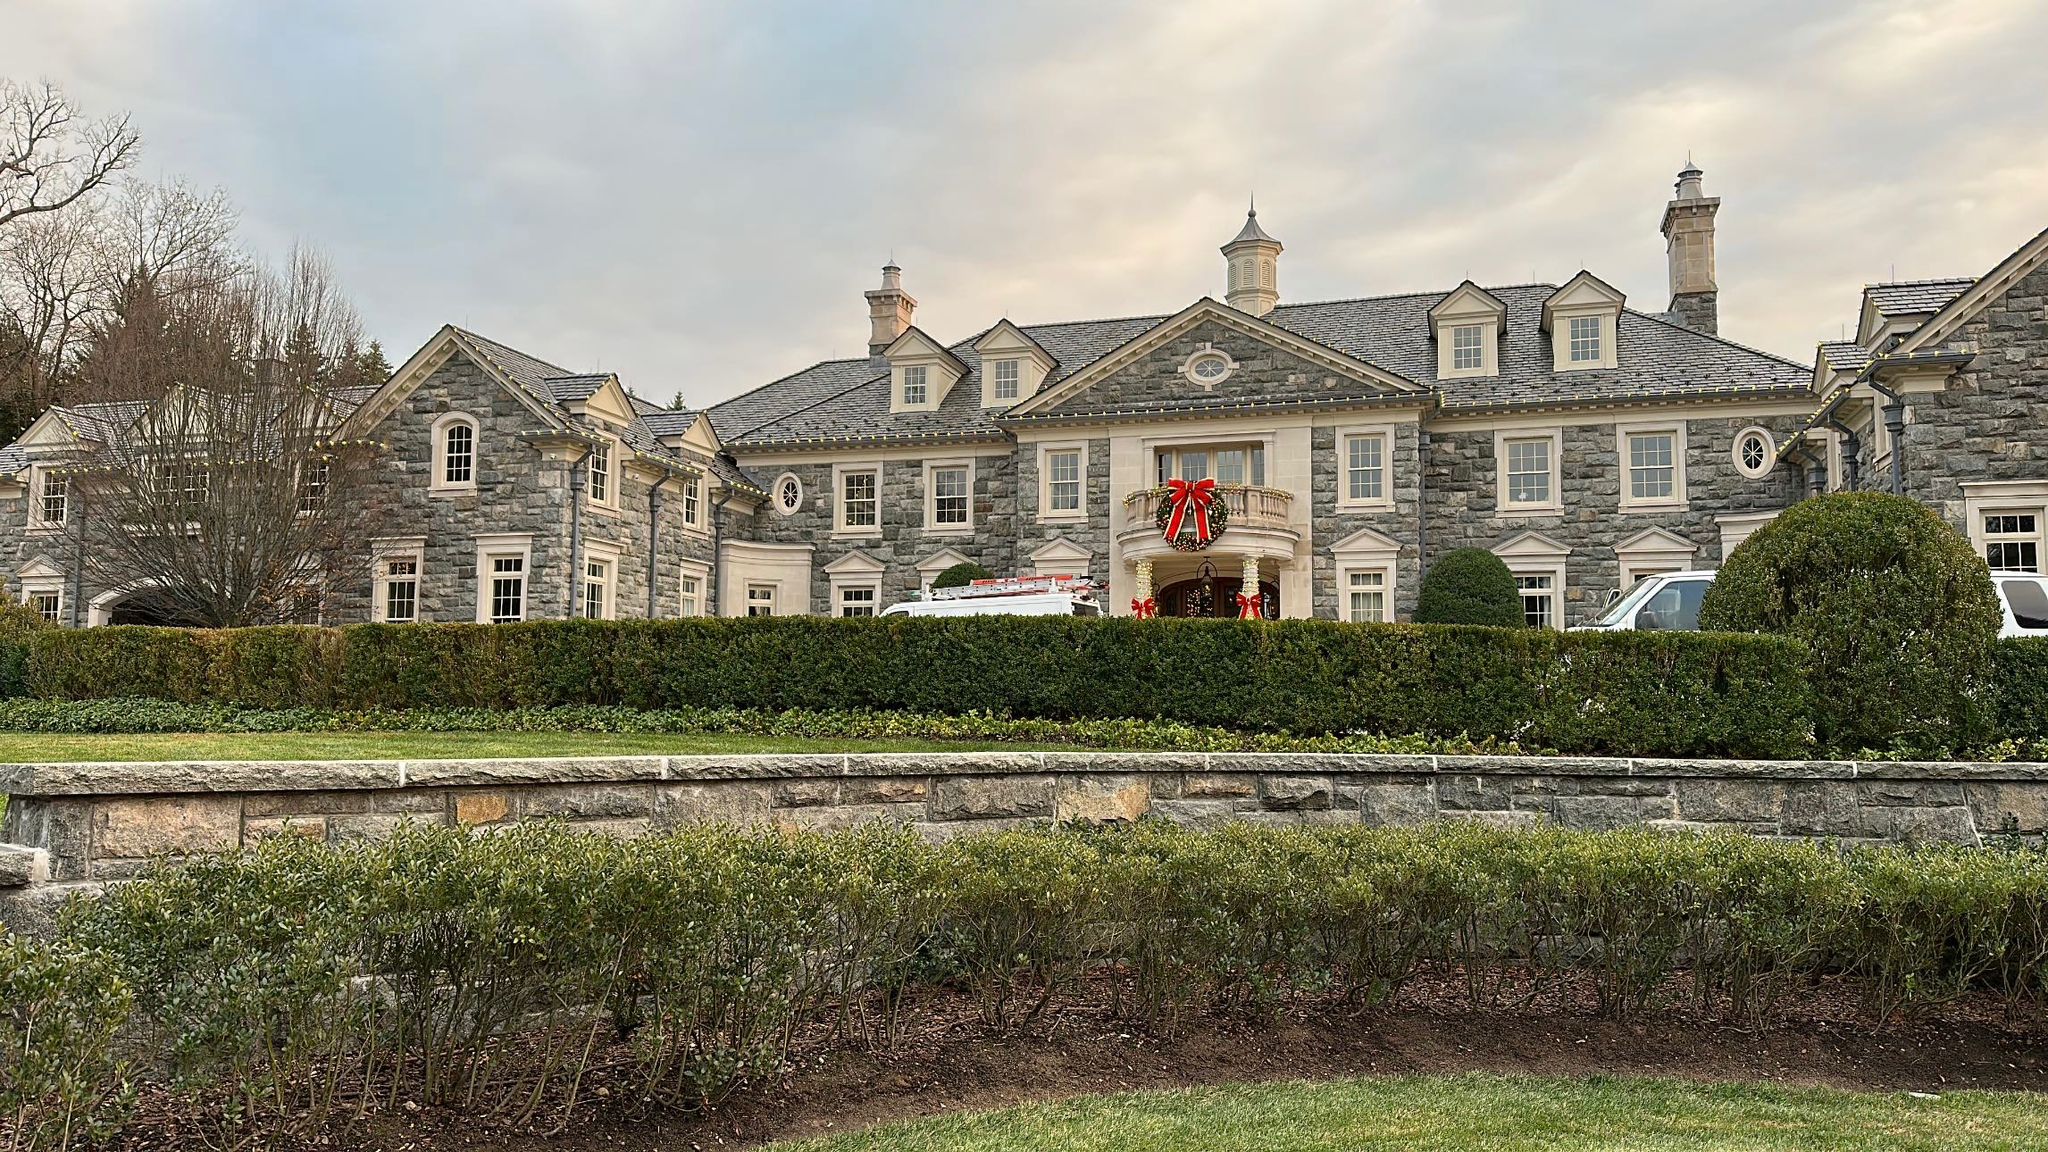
x: 1248, y: 606
x: 1190, y: 494
x: 1145, y: 609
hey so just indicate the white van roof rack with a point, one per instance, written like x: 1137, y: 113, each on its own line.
x: 1015, y: 586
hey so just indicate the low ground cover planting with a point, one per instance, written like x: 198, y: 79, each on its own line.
x: 1479, y: 1114
x: 299, y: 988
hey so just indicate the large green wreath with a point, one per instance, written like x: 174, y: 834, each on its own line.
x: 1188, y: 541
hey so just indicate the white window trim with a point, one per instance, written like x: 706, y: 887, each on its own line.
x: 689, y: 485
x: 437, y: 482
x: 1555, y: 504
x: 775, y: 495
x: 924, y: 386
x: 840, y: 528
x: 33, y: 586
x: 1366, y: 551
x: 615, y: 477
x: 774, y: 591
x: 489, y: 547
x: 1650, y: 559
x: 1561, y: 339
x: 1489, y: 344
x: 2006, y: 498
x: 608, y: 555
x: 1344, y: 573
x: 701, y: 573
x: 931, y: 500
x: 385, y: 549
x: 841, y: 584
x: 1046, y: 513
x: 1677, y: 499
x: 1770, y: 453
x: 1385, y: 433
x: 1556, y: 574
x: 38, y: 475
x: 995, y: 391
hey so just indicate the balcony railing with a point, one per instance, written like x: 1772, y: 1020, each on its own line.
x: 1250, y: 507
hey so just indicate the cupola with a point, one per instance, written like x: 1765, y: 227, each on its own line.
x: 1253, y: 258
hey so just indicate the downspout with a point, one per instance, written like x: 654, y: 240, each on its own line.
x: 1852, y: 446
x: 654, y: 538
x: 579, y: 473
x: 1895, y: 428
x: 713, y: 594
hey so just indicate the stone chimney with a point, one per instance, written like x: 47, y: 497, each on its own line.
x: 889, y: 309
x: 1689, y: 245
x: 1254, y: 268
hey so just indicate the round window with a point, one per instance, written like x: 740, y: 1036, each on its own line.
x: 789, y: 494
x: 1208, y: 367
x: 1753, y: 453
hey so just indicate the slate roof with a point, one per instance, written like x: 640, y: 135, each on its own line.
x: 1844, y: 355
x: 1913, y: 297
x: 848, y: 400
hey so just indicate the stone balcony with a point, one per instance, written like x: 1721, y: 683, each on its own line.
x: 1261, y: 522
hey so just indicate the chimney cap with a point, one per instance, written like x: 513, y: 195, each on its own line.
x: 1251, y: 230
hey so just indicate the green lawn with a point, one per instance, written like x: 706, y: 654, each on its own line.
x: 1477, y: 1112
x: 28, y: 747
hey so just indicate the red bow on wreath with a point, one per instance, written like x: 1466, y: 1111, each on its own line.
x: 1145, y: 609
x: 1186, y: 494
x: 1247, y: 606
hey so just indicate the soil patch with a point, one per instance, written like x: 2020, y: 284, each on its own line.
x: 946, y: 1060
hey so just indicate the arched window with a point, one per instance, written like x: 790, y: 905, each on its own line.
x: 454, y: 462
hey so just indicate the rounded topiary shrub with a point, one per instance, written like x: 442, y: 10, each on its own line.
x: 1469, y: 586
x: 961, y: 575
x: 1896, y: 609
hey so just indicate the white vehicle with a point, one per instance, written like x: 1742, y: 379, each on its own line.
x: 2024, y: 597
x: 1666, y: 602
x: 1011, y: 596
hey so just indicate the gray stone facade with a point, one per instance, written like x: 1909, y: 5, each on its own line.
x: 1989, y: 424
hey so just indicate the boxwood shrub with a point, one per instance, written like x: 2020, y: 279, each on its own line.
x: 1626, y: 693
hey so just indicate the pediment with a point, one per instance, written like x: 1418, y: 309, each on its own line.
x: 40, y: 568
x: 941, y: 560
x: 1583, y: 292
x: 1468, y: 300
x: 611, y: 402
x: 858, y: 562
x: 1366, y: 542
x: 1531, y: 546
x: 1655, y: 540
x: 915, y: 345
x: 1059, y: 548
x: 1007, y: 337
x: 50, y: 430
x: 1267, y: 366
x: 443, y: 346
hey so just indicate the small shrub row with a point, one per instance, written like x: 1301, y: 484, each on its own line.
x: 1625, y: 693
x: 300, y: 986
x: 140, y: 715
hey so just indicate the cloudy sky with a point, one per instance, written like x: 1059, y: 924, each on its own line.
x: 694, y: 194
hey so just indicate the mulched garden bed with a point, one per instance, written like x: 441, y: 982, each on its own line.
x: 944, y: 1059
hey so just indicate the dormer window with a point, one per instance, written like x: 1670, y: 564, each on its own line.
x: 1005, y: 379
x: 1585, y: 338
x: 915, y: 388
x: 1466, y: 325
x: 1013, y: 366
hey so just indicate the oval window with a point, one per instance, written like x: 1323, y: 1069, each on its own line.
x: 1754, y: 454
x: 789, y: 494
x: 1208, y: 367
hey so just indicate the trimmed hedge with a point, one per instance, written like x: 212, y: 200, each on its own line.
x: 1663, y: 693
x: 290, y: 990
x: 1469, y: 586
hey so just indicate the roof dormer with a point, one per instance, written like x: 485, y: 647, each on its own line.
x: 1012, y: 365
x: 921, y: 372
x: 1466, y: 326
x: 1583, y: 319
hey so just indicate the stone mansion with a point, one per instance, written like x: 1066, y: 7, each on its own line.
x: 1348, y: 441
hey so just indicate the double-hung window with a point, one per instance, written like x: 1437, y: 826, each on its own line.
x: 1467, y: 348
x: 401, y: 581
x: 693, y: 500
x: 760, y: 599
x: 1005, y: 379
x: 313, y: 480
x: 689, y: 595
x: 859, y: 500
x: 1063, y: 480
x: 1652, y: 466
x: 53, y: 499
x: 458, y: 454
x: 508, y: 589
x: 1539, y: 599
x: 1528, y: 465
x: 951, y: 499
x: 601, y: 474
x: 48, y: 605
x: 1585, y: 339
x: 1365, y: 597
x: 857, y: 600
x: 1365, y: 469
x: 2012, y: 541
x: 915, y: 386
x: 597, y: 584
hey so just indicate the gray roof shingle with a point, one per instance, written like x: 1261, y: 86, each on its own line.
x: 848, y: 400
x: 1844, y: 355
x: 1915, y: 297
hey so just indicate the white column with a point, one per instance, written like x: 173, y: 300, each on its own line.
x: 1251, y: 580
x: 1144, y: 584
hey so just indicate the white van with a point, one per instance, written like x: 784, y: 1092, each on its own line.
x: 1012, y: 596
x: 2024, y: 597
x: 1666, y: 602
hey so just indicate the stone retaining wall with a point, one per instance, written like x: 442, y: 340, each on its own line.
x: 91, y: 822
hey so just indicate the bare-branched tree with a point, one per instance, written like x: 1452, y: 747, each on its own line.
x: 212, y: 474
x: 50, y: 157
